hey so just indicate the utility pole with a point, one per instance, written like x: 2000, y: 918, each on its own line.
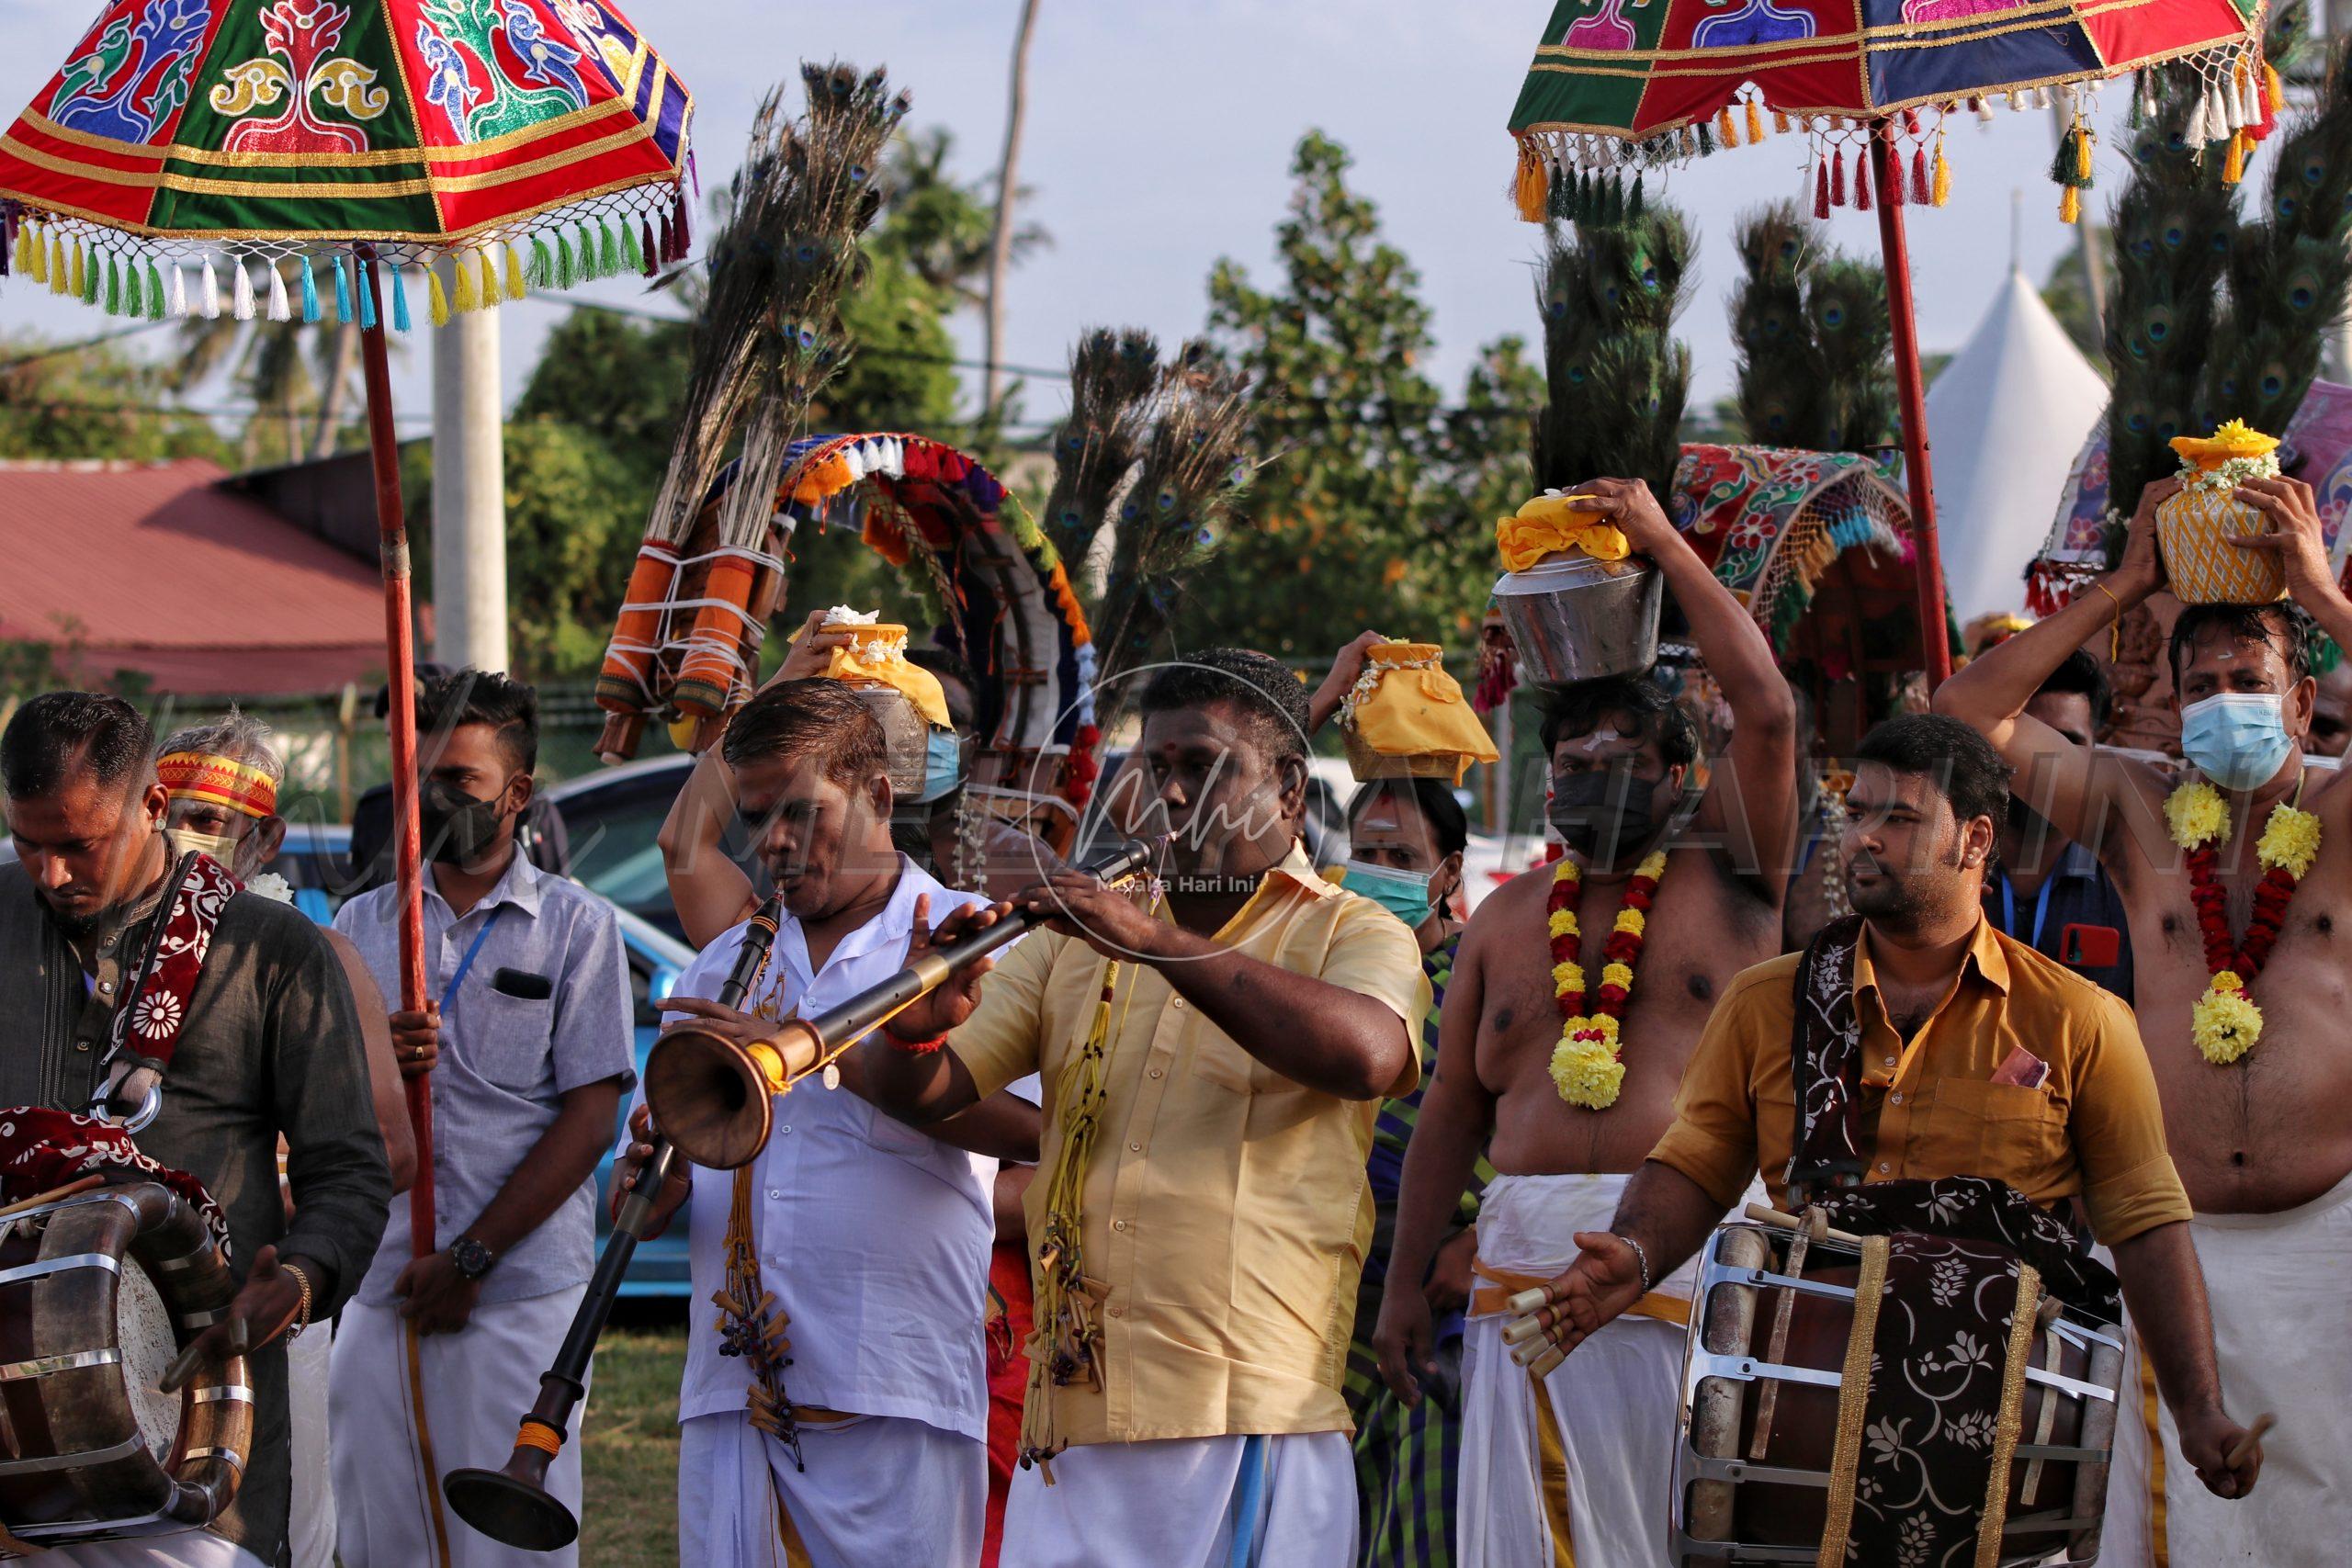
x: 1008, y: 175
x: 468, y: 494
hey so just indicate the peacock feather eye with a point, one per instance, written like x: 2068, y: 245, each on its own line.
x: 2174, y: 235
x: 2286, y: 207
x: 2314, y: 171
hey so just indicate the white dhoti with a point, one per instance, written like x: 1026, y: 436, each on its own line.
x: 1177, y: 1503
x: 310, y: 1515
x: 190, y: 1549
x: 2278, y: 1284
x: 878, y: 1489
x: 1573, y: 1470
x: 477, y: 1383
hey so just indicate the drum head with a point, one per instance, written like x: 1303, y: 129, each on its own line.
x: 143, y: 1330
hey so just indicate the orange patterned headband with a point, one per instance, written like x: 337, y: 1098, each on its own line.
x: 199, y: 775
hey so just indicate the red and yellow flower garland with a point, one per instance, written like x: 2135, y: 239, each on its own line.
x: 1585, y: 1066
x: 2225, y: 1024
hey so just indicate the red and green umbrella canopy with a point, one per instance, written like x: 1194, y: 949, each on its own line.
x: 1647, y: 83
x: 542, y: 141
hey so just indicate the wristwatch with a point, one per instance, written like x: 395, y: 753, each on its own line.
x: 470, y: 1257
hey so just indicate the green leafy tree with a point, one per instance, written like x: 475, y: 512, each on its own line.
x: 93, y: 403
x: 1375, y: 507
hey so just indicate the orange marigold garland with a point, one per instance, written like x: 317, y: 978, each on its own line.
x: 2225, y: 1024
x: 1585, y: 1066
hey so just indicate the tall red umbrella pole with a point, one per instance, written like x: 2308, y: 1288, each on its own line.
x: 400, y: 651
x: 1911, y: 395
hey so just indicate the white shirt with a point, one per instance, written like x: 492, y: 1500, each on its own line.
x: 874, y: 1237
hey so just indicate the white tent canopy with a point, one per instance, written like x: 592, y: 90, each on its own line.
x: 2006, y: 417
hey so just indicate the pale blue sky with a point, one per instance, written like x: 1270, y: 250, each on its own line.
x: 1158, y: 139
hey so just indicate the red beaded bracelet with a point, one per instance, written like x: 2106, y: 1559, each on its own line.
x: 919, y: 1047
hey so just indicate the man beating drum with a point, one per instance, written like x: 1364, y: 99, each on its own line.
x: 1965, y: 1054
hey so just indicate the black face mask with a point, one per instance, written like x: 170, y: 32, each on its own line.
x: 1601, y: 815
x: 458, y: 829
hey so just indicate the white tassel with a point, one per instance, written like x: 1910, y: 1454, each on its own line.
x: 2233, y: 108
x: 179, y: 290
x: 243, y: 306
x: 211, y: 292
x: 279, y: 310
x: 1984, y: 111
x: 2250, y: 98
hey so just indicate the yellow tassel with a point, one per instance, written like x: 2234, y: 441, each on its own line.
x: 2273, y: 89
x: 2234, y: 162
x: 514, y: 285
x: 1779, y: 122
x: 2082, y: 151
x: 1754, y: 121
x: 1532, y: 191
x: 57, y: 270
x: 80, y: 285
x: 490, y: 294
x: 1942, y: 192
x: 2070, y: 205
x: 440, y: 301
x: 1727, y: 129
x: 467, y: 297
x: 32, y: 256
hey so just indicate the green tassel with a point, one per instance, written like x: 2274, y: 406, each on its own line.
x: 114, y: 286
x: 564, y: 274
x: 132, y: 304
x: 2062, y: 166
x: 589, y: 270
x: 1615, y: 212
x: 631, y: 253
x: 541, y: 273
x: 155, y: 292
x: 1706, y: 137
x: 90, y: 284
x: 1633, y: 202
x: 608, y: 260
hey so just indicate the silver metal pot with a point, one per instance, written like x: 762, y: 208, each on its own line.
x: 905, y: 735
x: 1575, y: 618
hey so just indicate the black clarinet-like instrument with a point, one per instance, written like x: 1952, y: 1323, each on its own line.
x: 714, y: 1095
x: 512, y: 1505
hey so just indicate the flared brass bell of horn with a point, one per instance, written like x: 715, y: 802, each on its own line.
x: 713, y: 1096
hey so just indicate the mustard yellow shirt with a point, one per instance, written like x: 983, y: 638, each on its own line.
x: 2092, y: 1127
x: 1226, y: 1208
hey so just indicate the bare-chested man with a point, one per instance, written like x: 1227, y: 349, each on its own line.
x: 2262, y: 1141
x: 1622, y: 759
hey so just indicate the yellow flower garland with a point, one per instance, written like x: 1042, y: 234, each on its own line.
x: 2224, y: 1025
x: 1584, y: 1067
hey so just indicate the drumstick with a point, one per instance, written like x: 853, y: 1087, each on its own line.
x: 53, y: 1195
x: 2245, y: 1446
x: 185, y: 1364
x: 1765, y: 1215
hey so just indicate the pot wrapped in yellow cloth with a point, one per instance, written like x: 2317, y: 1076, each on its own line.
x: 1407, y: 717
x: 2193, y: 527
x: 876, y: 655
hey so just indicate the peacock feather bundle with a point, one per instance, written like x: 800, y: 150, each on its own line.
x: 1781, y: 383
x: 2288, y: 270
x: 1112, y: 375
x: 1195, y: 462
x: 2175, y: 226
x: 785, y: 258
x: 1846, y: 302
x: 1616, y: 377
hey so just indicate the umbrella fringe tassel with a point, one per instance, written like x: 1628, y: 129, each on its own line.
x: 437, y: 302
x: 281, y: 309
x: 399, y: 303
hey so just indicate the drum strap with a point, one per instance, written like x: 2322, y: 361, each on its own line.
x: 1825, y: 1065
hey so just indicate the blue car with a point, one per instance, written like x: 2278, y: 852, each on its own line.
x: 315, y: 859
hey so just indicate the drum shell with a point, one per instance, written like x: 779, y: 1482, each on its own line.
x: 64, y: 1314
x: 1720, y: 1520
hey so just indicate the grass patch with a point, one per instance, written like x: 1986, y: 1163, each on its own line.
x: 630, y: 1463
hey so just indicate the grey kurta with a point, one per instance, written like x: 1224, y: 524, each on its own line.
x: 271, y: 1045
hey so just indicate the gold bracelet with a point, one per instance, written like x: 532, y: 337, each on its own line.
x: 2115, y: 628
x: 302, y: 1308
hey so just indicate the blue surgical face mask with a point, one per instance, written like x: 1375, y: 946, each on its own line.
x: 1404, y: 893
x: 2238, y: 740
x: 943, y: 765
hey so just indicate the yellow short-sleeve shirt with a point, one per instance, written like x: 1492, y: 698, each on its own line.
x: 1226, y: 1210
x: 2092, y: 1127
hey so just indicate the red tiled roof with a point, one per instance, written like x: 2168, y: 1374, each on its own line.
x: 149, y: 567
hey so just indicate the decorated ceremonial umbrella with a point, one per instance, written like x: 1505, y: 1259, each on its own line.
x: 266, y: 157
x: 1622, y: 87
